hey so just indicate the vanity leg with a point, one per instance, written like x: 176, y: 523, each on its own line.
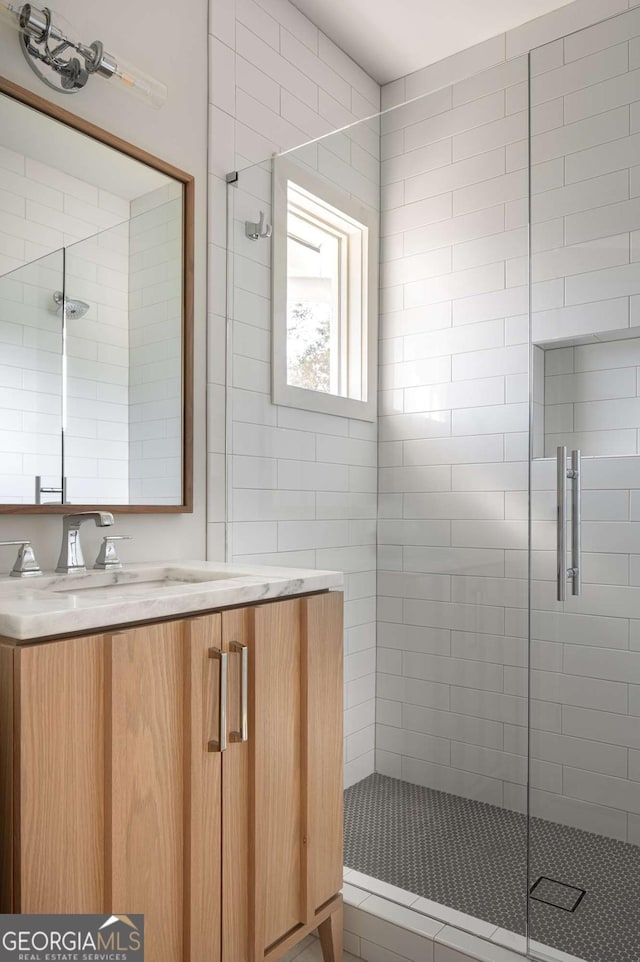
x: 331, y: 932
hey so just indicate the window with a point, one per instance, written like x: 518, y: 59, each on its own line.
x: 324, y: 296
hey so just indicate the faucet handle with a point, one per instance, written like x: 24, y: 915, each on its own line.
x: 108, y: 559
x: 26, y: 565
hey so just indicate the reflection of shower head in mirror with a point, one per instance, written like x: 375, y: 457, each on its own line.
x: 73, y: 308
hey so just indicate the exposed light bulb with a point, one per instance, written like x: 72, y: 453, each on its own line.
x: 141, y: 84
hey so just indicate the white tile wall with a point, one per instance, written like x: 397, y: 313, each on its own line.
x: 451, y: 358
x: 583, y: 408
x: 590, y: 403
x: 452, y: 625
x: 301, y: 487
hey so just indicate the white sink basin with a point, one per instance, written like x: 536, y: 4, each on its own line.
x: 54, y: 605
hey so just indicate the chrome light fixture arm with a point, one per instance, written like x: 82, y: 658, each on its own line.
x: 65, y: 65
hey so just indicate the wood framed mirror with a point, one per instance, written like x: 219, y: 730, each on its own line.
x: 96, y: 317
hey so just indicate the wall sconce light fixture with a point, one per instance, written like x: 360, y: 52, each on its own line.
x: 66, y: 66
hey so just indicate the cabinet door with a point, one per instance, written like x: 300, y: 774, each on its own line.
x: 59, y: 817
x: 163, y: 799
x: 117, y: 793
x: 282, y: 790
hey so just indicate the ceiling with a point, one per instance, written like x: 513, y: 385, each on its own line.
x: 391, y: 38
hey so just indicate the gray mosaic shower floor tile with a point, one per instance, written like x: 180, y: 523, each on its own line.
x: 473, y: 857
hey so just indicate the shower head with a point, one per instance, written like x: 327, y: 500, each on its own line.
x: 74, y: 308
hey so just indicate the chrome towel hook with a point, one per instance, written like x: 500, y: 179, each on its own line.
x: 256, y: 231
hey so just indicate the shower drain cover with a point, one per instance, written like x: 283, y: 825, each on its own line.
x: 558, y: 894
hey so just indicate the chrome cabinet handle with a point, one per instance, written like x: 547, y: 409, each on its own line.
x: 221, y: 744
x: 564, y: 572
x: 243, y: 734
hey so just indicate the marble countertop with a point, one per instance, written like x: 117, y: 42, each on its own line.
x: 53, y: 605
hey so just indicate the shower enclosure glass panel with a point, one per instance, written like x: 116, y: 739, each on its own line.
x: 584, y: 794
x: 436, y: 661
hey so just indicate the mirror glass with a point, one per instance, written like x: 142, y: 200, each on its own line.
x: 91, y: 320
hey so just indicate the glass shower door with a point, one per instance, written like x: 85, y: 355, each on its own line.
x: 584, y: 792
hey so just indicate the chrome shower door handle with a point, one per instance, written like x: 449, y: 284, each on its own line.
x: 576, y: 522
x: 243, y: 734
x: 564, y: 572
x: 561, y: 523
x: 221, y: 744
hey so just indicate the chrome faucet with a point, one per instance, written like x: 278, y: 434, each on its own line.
x: 71, y: 560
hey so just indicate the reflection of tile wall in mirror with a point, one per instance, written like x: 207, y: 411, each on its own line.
x: 590, y: 398
x: 155, y: 359
x: 30, y: 379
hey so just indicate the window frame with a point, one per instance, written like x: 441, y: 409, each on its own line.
x: 361, y: 259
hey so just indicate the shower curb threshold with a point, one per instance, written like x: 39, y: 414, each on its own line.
x: 382, y: 916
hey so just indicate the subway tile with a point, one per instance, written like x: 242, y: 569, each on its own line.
x: 481, y: 618
x: 497, y: 190
x: 462, y: 560
x: 376, y: 887
x: 560, y: 22
x: 601, y: 36
x: 476, y: 337
x: 413, y: 744
x: 580, y: 135
x: 601, y: 726
x: 456, y: 782
x: 454, y: 394
x: 418, y: 214
x: 597, y: 663
x: 480, y: 226
x: 410, y: 920
x: 455, y: 68
x: 460, y: 284
x: 404, y: 165
x: 584, y: 195
x: 578, y: 74
x: 502, y: 76
x: 591, y: 386
x: 602, y: 789
x: 490, y: 363
x: 602, y: 285
x: 499, y: 649
x: 277, y: 67
x: 608, y: 95
x: 490, y: 419
x: 486, y: 761
x: 454, y: 176
x: 489, y: 136
x: 457, y: 450
x: 503, y: 303
x: 437, y: 532
x: 579, y: 814
x: 454, y: 944
x: 447, y: 670
x: 455, y: 505
x: 448, y: 725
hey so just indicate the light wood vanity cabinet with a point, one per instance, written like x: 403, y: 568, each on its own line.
x: 114, y: 797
